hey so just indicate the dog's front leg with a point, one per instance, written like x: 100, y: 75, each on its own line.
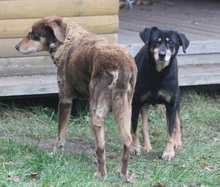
x: 64, y: 110
x: 145, y: 130
x: 178, y: 141
x: 135, y: 146
x: 168, y: 153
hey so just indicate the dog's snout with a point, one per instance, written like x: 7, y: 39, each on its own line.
x: 162, y: 54
x: 17, y: 47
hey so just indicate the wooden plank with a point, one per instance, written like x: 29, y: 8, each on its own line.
x: 42, y: 65
x: 199, y: 79
x: 192, y: 75
x: 202, y: 47
x: 7, y: 46
x: 28, y: 85
x: 95, y: 24
x: 198, y: 59
x: 65, y: 8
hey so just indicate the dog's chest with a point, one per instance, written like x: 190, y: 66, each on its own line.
x: 153, y: 97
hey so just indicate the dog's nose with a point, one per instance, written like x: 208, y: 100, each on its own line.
x: 162, y: 54
x: 17, y: 47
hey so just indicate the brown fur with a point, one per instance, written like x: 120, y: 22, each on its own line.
x: 88, y: 67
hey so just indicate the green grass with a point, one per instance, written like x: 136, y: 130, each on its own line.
x: 197, y: 162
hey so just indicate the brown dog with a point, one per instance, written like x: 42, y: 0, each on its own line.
x: 89, y: 67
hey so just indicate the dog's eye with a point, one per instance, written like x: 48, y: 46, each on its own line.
x: 34, y: 37
x: 170, y: 42
x: 157, y: 41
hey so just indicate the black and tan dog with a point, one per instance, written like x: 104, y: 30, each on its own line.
x: 157, y: 83
x: 88, y: 67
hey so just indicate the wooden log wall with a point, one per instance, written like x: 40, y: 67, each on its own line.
x: 16, y: 18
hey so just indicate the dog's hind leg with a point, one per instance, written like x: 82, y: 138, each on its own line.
x: 145, y: 130
x: 121, y: 108
x: 122, y: 114
x: 99, y: 107
x: 64, y: 110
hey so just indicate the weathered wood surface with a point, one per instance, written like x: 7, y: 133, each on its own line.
x: 14, y: 9
x: 198, y: 20
x: 38, y: 65
x: 96, y: 24
x: 28, y: 85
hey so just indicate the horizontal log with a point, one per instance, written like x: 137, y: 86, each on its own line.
x: 7, y: 46
x: 95, y: 24
x: 65, y: 8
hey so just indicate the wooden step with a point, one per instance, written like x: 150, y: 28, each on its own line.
x: 28, y: 85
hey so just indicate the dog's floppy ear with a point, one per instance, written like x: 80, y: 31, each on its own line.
x: 146, y: 33
x: 58, y: 25
x: 183, y: 40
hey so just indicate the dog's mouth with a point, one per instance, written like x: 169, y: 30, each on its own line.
x: 162, y: 59
x: 24, y: 51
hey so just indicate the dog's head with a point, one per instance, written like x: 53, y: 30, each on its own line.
x: 163, y: 44
x: 45, y: 34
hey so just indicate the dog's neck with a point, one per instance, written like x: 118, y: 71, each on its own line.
x: 161, y: 65
x: 73, y: 35
x: 53, y: 48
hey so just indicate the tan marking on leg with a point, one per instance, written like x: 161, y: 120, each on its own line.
x: 135, y: 146
x: 178, y: 141
x: 145, y: 130
x: 168, y: 153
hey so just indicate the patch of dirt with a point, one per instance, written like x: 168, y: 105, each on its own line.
x: 48, y: 143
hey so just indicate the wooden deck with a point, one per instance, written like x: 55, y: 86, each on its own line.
x: 198, y: 20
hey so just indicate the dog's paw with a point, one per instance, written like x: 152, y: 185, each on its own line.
x: 99, y: 175
x: 135, y: 150
x: 177, y: 144
x: 167, y: 156
x: 123, y: 175
x: 147, y: 148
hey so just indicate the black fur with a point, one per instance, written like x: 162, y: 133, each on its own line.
x: 150, y: 80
